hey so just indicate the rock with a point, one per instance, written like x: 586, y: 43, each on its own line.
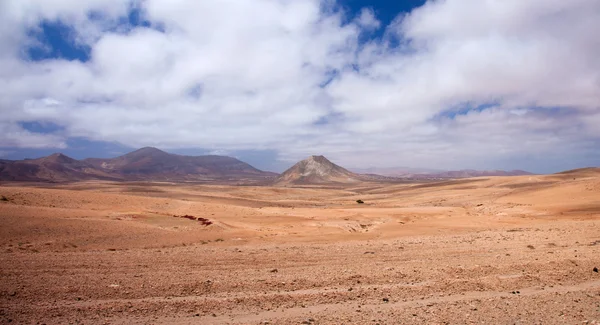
x: 386, y: 300
x: 274, y: 271
x: 595, y: 269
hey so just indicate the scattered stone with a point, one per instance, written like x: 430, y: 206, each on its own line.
x: 274, y: 271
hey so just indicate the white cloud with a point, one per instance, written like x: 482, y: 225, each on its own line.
x: 254, y: 74
x: 15, y: 136
x: 367, y: 19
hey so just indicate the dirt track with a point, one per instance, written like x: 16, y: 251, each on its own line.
x: 514, y: 250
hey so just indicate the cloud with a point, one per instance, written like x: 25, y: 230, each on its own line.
x: 455, y: 83
x: 367, y: 19
x: 14, y: 136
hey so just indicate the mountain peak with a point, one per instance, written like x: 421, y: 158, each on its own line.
x: 319, y: 158
x: 316, y: 170
x: 148, y: 150
x: 57, y: 158
x: 145, y: 152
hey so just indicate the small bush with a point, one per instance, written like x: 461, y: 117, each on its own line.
x: 360, y: 201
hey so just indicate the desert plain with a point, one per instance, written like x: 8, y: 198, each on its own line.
x: 493, y: 250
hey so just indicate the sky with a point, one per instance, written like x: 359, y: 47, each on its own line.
x: 454, y: 84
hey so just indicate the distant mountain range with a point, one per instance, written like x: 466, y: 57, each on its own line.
x: 143, y: 164
x: 151, y: 164
x: 418, y: 173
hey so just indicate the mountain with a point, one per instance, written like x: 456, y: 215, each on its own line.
x: 152, y: 163
x: 395, y: 171
x: 478, y: 173
x: 421, y: 173
x: 54, y: 168
x: 143, y: 164
x: 316, y: 170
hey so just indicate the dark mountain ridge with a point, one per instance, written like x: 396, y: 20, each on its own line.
x: 143, y: 164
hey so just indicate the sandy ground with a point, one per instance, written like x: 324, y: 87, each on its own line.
x: 512, y: 250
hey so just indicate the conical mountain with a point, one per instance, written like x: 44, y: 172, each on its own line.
x: 57, y: 158
x: 316, y: 170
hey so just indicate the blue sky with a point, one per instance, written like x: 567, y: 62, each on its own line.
x: 445, y: 85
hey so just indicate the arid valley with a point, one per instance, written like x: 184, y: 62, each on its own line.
x: 501, y: 250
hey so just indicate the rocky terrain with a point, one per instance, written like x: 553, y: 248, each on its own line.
x: 501, y: 250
